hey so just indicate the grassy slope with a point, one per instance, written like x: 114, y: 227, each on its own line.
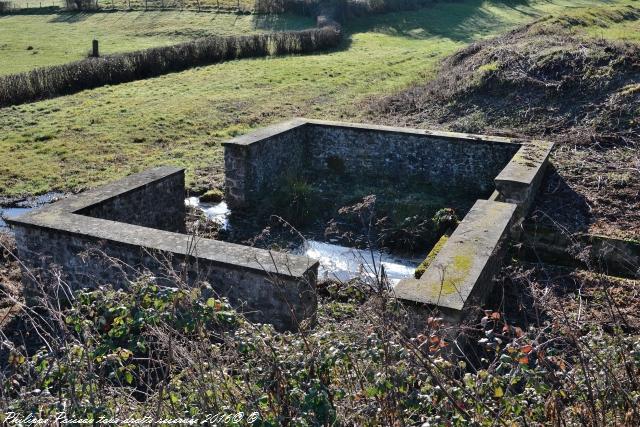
x: 94, y: 136
x: 624, y: 30
x: 65, y: 37
x: 482, y: 89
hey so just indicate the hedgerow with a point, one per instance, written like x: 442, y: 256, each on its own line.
x: 89, y: 73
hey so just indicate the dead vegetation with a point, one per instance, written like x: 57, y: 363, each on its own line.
x: 539, y: 80
x: 543, y: 81
x: 10, y: 286
x: 552, y: 348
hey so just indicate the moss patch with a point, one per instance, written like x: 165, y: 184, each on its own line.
x: 456, y: 273
x: 212, y: 196
x: 430, y: 257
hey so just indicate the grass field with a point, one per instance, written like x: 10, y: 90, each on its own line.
x: 83, y: 140
x: 28, y: 41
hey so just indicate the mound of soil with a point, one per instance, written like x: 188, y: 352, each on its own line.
x: 540, y: 81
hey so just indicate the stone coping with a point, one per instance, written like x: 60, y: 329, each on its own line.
x: 464, y: 260
x: 282, y: 127
x: 525, y: 166
x: 62, y: 216
x: 463, y: 270
x: 99, y: 195
x: 265, y: 132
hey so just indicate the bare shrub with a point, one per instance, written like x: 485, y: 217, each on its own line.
x: 162, y: 351
x: 5, y: 6
x: 551, y: 348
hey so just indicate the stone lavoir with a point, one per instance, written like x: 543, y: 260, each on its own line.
x: 278, y: 287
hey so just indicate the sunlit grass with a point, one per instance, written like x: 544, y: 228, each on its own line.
x: 86, y: 139
x: 29, y: 41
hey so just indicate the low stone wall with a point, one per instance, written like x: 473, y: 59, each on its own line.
x: 133, y: 220
x: 146, y: 200
x: 461, y: 275
x: 441, y: 159
x: 615, y: 257
x: 89, y: 251
x: 520, y: 180
x: 257, y: 162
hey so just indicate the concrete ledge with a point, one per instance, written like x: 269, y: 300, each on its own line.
x: 215, y: 251
x: 518, y: 182
x: 266, y: 132
x: 462, y: 272
x: 282, y: 127
x: 461, y: 137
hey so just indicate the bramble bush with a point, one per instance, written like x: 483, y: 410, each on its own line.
x: 169, y: 351
x: 370, y: 360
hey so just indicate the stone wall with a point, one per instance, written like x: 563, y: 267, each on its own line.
x: 87, y: 262
x: 615, y: 257
x: 441, y: 159
x: 257, y: 162
x: 108, y: 248
x: 156, y: 204
x: 519, y: 181
x: 506, y: 171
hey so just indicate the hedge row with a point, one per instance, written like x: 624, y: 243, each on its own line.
x: 48, y: 82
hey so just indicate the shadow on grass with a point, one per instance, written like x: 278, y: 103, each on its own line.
x: 71, y: 17
x: 558, y: 205
x: 33, y: 11
x: 285, y: 22
x: 457, y: 21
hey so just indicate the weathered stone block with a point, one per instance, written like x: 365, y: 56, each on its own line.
x: 462, y: 272
x: 519, y: 181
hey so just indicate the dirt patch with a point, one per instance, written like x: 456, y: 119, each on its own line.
x: 540, y: 81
